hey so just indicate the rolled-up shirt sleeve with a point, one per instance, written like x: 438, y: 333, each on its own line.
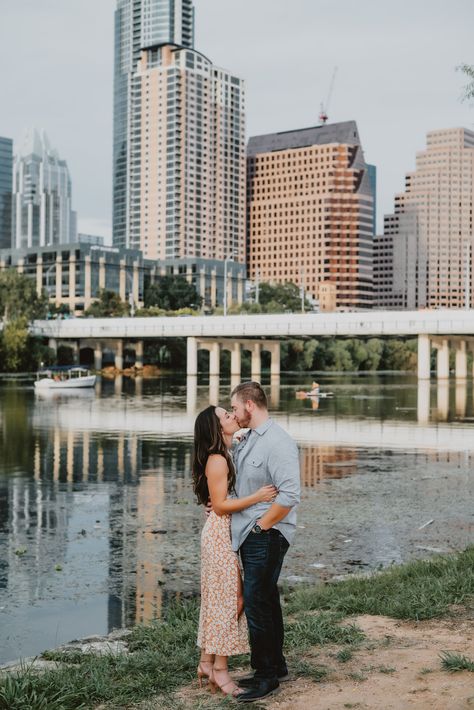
x: 284, y: 469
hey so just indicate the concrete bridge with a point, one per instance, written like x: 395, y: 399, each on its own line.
x: 439, y: 329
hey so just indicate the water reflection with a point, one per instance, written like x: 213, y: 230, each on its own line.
x: 323, y: 462
x: 423, y: 401
x: 98, y: 527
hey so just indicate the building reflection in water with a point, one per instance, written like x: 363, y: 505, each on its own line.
x: 322, y: 462
x: 135, y: 477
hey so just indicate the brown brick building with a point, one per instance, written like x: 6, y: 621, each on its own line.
x: 310, y: 213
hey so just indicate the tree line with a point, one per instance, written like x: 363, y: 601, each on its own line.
x: 20, y: 352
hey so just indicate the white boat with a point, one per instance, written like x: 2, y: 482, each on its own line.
x: 64, y: 378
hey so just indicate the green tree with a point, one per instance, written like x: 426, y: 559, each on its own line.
x: 468, y: 71
x: 19, y: 305
x: 109, y: 305
x: 14, y: 345
x: 166, y: 352
x: 399, y: 355
x: 172, y: 293
x: 62, y: 310
x: 338, y: 357
x: 374, y: 354
x: 278, y: 298
x: 18, y: 297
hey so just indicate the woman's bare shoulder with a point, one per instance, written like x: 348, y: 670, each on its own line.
x: 216, y: 465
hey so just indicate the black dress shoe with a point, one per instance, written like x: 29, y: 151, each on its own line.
x: 250, y: 681
x: 259, y: 691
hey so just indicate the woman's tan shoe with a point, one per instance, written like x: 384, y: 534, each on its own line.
x: 204, y: 670
x: 221, y: 679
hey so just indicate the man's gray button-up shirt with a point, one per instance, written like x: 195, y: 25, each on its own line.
x: 268, y: 455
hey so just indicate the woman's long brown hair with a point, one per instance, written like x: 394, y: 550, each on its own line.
x: 208, y: 440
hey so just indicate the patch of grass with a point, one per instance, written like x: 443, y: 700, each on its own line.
x: 164, y: 658
x: 319, y: 629
x: 454, y: 662
x: 63, y: 656
x: 309, y: 670
x: 163, y: 655
x: 417, y: 590
x: 425, y: 671
x: 379, y: 669
x: 358, y: 677
x: 386, y: 669
x: 344, y: 655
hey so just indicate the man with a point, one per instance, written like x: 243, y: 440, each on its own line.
x: 263, y: 533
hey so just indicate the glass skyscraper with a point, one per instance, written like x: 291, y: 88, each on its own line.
x: 6, y: 180
x: 179, y: 132
x: 138, y: 24
x: 42, y: 213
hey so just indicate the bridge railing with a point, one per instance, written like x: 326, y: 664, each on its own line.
x: 374, y: 323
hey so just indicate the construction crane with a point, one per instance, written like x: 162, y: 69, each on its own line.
x: 323, y: 113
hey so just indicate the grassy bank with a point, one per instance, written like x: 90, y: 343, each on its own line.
x: 163, y: 656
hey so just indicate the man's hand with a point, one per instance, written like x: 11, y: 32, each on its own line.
x: 208, y: 508
x: 272, y: 516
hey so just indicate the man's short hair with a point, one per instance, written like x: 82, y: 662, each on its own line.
x: 253, y: 391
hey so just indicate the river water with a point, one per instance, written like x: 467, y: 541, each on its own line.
x: 99, y: 529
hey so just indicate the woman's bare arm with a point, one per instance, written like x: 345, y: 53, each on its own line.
x: 216, y: 472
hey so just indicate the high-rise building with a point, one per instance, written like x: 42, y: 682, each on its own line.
x: 6, y: 180
x: 138, y: 24
x: 310, y: 206
x: 179, y: 150
x: 42, y: 213
x: 424, y: 259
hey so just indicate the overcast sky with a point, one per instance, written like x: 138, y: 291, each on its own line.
x: 396, y: 76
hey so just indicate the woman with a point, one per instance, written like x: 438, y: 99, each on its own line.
x: 222, y: 625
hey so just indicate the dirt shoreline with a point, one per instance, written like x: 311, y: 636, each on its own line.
x: 397, y: 667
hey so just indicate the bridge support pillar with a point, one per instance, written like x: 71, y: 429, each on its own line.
x: 214, y: 389
x: 274, y: 349
x: 214, y: 359
x: 235, y: 361
x: 191, y: 394
x: 256, y: 362
x: 98, y: 356
x: 461, y: 360
x: 192, y: 357
x: 442, y: 360
x: 53, y: 345
x: 119, y: 355
x: 424, y: 357
x: 139, y: 354
x: 75, y: 352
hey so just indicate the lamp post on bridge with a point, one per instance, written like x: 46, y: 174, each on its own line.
x: 228, y: 258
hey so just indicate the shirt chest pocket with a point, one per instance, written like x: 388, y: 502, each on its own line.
x: 256, y: 469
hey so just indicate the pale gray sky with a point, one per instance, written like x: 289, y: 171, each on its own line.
x: 396, y: 76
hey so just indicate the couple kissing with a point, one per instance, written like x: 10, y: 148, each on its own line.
x: 250, y: 489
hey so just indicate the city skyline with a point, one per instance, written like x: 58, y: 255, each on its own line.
x: 392, y: 78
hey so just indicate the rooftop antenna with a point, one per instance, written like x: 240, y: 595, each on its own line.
x: 324, y: 108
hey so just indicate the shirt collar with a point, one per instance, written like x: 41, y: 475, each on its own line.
x: 264, y: 427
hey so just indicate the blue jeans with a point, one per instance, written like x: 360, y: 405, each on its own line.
x: 262, y: 558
